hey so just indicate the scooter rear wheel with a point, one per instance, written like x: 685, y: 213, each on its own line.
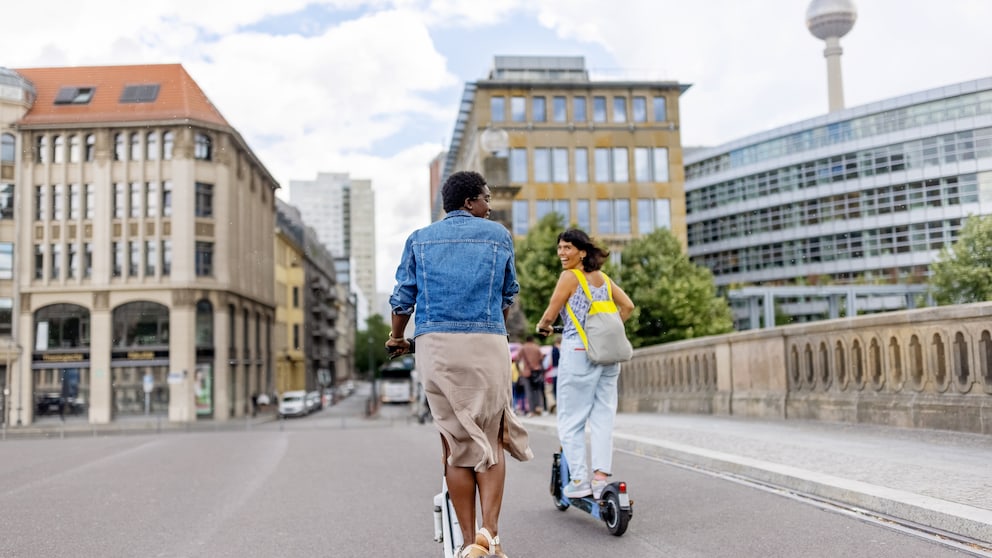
x: 616, y: 518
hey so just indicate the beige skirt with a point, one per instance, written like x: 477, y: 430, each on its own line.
x: 466, y: 379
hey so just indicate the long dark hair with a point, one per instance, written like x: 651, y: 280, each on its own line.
x: 595, y: 256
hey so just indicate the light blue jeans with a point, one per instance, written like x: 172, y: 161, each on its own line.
x: 587, y: 393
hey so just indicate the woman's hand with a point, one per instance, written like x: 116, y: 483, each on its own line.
x: 544, y: 330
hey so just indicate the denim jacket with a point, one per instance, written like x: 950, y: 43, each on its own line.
x: 459, y: 274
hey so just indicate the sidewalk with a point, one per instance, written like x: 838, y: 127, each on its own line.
x: 939, y: 480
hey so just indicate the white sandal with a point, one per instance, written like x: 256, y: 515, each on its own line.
x: 492, y: 542
x: 473, y: 551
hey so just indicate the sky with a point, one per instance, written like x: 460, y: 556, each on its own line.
x: 371, y: 87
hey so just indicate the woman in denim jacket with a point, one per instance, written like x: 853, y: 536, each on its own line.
x: 459, y: 275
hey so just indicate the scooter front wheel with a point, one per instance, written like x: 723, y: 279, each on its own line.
x: 556, y: 483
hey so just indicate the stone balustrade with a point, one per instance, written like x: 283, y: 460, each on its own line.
x: 924, y: 368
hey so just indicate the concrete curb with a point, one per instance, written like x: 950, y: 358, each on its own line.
x: 928, y: 512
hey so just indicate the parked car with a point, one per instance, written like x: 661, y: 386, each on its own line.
x: 293, y: 404
x: 313, y: 401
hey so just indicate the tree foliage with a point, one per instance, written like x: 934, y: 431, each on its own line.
x: 370, y: 352
x: 538, y: 267
x: 675, y: 299
x: 962, y: 272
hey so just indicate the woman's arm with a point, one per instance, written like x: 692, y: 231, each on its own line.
x: 624, y: 305
x: 567, y: 283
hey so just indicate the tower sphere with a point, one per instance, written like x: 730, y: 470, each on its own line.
x: 830, y: 18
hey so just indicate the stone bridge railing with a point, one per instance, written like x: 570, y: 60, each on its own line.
x: 926, y: 368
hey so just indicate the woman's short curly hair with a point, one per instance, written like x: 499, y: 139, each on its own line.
x: 459, y: 187
x: 595, y: 256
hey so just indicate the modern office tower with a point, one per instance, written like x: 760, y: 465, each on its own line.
x: 144, y: 254
x: 604, y: 153
x: 863, y: 195
x: 829, y: 20
x: 341, y: 210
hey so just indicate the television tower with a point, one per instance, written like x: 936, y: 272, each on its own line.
x: 829, y: 20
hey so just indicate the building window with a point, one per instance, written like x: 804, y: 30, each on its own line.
x: 599, y: 109
x: 151, y: 146
x: 39, y: 203
x: 602, y: 164
x: 296, y: 337
x: 167, y: 198
x: 518, y: 165
x: 56, y: 269
x: 611, y: 164
x: 296, y: 297
x: 582, y: 214
x: 518, y: 109
x: 203, y: 147
x: 542, y: 164
x: 119, y: 147
x: 117, y: 250
x: 151, y: 258
x: 39, y: 261
x: 659, y: 164
x: 6, y: 260
x: 87, y: 259
x: 561, y: 207
x: 58, y: 149
x: 90, y: 147
x: 604, y: 217
x: 653, y: 214
x: 168, y: 142
x: 204, y: 259
x: 74, y: 210
x: 579, y: 109
x: 619, y: 109
x: 134, y: 258
x: 57, y: 202
x: 135, y: 147
x: 559, y: 165
x: 558, y: 111
x: 521, y: 217
x: 660, y: 112
x: 119, y: 200
x: 72, y: 269
x: 539, y: 106
x: 135, y: 204
x: 6, y: 201
x: 642, y: 164
x: 497, y: 108
x: 621, y: 165
x: 640, y: 107
x: 6, y: 316
x: 613, y: 216
x: 151, y: 199
x: 204, y: 200
x: 90, y: 201
x: 41, y: 149
x: 543, y: 208
x: 581, y: 165
x: 7, y: 148
x: 166, y: 257
x: 74, y: 149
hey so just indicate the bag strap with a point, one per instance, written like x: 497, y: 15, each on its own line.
x: 595, y: 306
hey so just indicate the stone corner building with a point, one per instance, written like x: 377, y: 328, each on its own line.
x: 142, y: 235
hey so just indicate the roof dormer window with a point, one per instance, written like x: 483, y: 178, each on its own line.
x: 145, y: 93
x: 74, y: 95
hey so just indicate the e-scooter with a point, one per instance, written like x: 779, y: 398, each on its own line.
x: 447, y: 530
x: 614, y: 505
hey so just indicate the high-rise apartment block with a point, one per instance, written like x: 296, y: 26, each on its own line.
x: 604, y: 153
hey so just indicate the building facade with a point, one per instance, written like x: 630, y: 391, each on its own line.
x: 341, y: 210
x: 143, y: 241
x: 606, y: 154
x: 864, y: 195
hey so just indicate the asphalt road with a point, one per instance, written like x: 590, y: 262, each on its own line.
x: 339, y: 485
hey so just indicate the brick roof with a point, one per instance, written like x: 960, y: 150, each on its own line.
x: 179, y: 97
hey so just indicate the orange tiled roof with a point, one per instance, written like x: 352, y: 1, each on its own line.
x: 179, y: 97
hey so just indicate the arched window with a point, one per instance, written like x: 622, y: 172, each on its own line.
x: 7, y: 146
x: 119, y: 152
x: 74, y: 149
x: 203, y: 147
x: 141, y: 324
x: 168, y: 142
x: 135, y: 146
x: 58, y: 149
x: 90, y: 147
x: 41, y: 149
x: 151, y: 146
x: 62, y: 326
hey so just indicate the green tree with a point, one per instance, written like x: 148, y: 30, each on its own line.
x: 963, y: 270
x: 538, y: 268
x: 675, y: 299
x: 370, y: 352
